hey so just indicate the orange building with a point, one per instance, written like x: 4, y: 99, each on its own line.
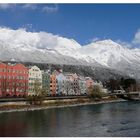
x: 53, y: 85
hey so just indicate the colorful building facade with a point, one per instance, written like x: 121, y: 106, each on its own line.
x: 72, y: 85
x: 89, y: 82
x: 35, y: 79
x: 13, y: 80
x: 17, y: 80
x: 82, y: 85
x: 61, y: 79
x: 53, y: 85
x: 46, y: 82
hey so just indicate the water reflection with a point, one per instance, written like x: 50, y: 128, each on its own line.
x: 12, y: 125
x: 113, y: 119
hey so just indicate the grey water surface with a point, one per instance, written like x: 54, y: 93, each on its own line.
x: 112, y: 119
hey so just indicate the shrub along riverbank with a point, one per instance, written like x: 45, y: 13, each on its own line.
x: 26, y: 106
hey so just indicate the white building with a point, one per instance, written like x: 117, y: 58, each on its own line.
x: 35, y: 76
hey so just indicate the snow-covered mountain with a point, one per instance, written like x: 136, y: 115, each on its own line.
x: 110, y: 53
x: 113, y: 55
x: 43, y: 47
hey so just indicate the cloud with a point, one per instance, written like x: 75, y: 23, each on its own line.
x: 136, y: 40
x: 94, y: 39
x: 41, y: 40
x: 28, y: 27
x: 29, y: 6
x: 125, y: 44
x: 21, y: 37
x: 50, y: 9
x: 7, y: 6
x: 47, y: 8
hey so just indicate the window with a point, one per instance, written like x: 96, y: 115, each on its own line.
x: 4, y: 70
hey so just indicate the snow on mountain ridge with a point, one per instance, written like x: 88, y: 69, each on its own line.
x: 42, y: 47
x: 106, y: 50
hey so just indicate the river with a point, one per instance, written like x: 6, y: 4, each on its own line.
x: 112, y: 119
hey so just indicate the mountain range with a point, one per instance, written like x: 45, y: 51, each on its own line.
x: 42, y: 47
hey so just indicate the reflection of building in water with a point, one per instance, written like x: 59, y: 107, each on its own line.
x: 11, y: 129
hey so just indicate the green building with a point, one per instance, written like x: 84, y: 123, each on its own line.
x: 46, y: 82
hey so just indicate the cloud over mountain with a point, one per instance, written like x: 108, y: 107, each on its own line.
x: 136, y: 39
x: 22, y: 45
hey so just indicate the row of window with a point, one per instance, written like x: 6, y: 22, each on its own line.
x: 12, y: 84
x: 32, y: 84
x: 17, y: 90
x: 35, y: 69
x: 35, y: 74
x: 13, y: 71
x: 53, y: 86
x: 13, y: 77
x: 35, y: 79
x: 13, y: 90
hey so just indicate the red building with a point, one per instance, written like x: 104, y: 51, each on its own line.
x: 13, y: 80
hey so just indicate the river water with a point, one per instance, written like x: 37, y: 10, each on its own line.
x: 111, y: 119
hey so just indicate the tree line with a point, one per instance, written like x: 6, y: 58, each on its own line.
x: 129, y: 84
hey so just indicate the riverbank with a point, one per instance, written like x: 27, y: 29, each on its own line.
x: 12, y: 107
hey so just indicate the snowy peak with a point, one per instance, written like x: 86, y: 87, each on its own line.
x: 105, y: 44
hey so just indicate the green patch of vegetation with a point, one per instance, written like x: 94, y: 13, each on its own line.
x: 96, y: 92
